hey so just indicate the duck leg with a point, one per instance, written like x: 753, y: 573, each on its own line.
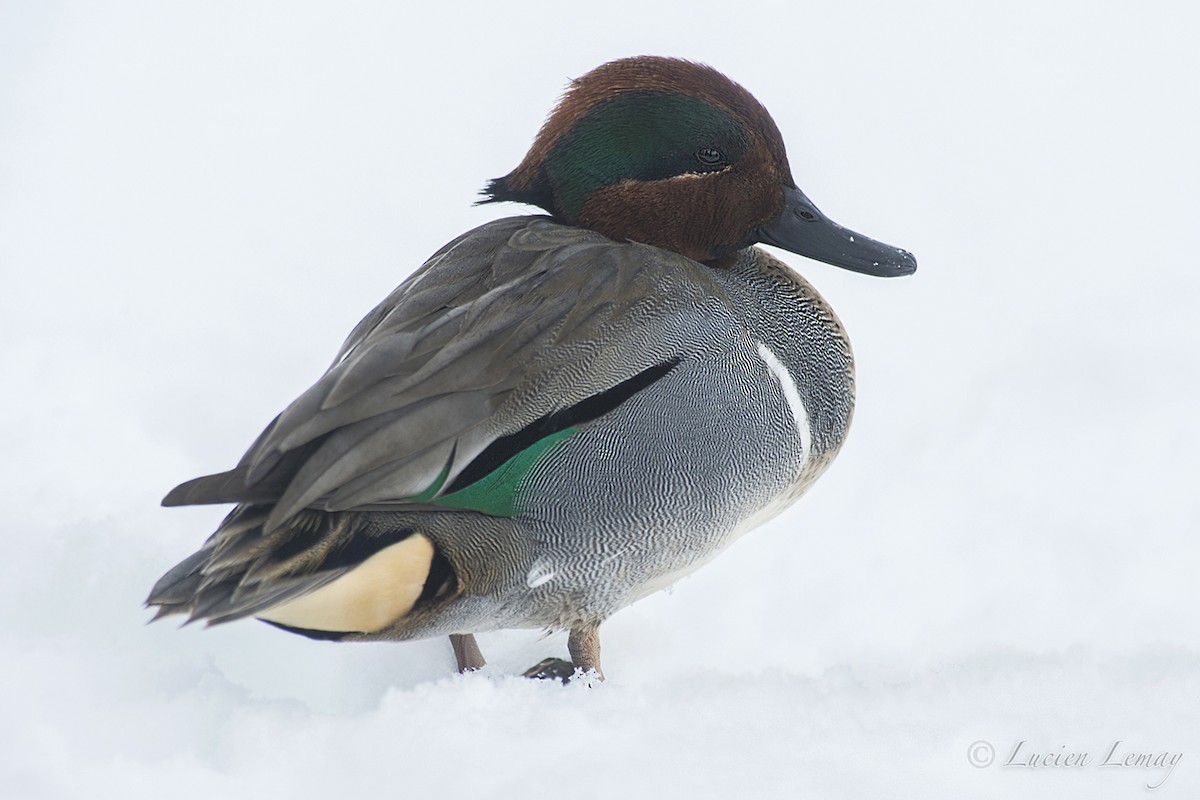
x: 584, y: 646
x: 466, y: 652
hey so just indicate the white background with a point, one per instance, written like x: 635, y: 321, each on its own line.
x: 199, y: 200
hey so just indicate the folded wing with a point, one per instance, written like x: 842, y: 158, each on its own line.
x: 499, y: 341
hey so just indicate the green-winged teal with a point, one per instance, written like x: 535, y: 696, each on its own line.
x: 556, y: 415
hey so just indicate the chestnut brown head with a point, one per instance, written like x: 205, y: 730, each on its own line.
x: 674, y: 154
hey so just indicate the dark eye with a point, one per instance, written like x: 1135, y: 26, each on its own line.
x: 710, y: 157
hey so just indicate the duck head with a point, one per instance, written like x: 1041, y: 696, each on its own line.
x: 674, y: 154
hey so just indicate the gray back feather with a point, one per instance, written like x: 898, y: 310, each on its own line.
x: 508, y: 323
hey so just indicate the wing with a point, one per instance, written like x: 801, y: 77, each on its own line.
x: 506, y: 336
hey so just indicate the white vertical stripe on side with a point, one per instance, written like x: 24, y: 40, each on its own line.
x: 791, y: 395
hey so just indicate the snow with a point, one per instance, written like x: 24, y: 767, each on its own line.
x: 198, y: 201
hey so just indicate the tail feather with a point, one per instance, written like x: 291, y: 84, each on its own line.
x: 180, y: 583
x: 223, y: 602
x: 321, y: 571
x: 238, y: 485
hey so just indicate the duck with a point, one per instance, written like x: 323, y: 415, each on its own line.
x: 560, y: 413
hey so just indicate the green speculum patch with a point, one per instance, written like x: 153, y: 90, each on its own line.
x: 496, y: 493
x: 645, y: 136
x: 493, y: 480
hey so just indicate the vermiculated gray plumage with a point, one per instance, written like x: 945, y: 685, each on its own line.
x: 518, y: 324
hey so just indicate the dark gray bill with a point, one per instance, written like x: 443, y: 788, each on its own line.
x: 802, y: 229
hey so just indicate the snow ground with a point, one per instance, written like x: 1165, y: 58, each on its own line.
x: 1005, y: 551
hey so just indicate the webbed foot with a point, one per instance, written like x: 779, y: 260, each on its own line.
x: 549, y: 669
x: 584, y: 645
